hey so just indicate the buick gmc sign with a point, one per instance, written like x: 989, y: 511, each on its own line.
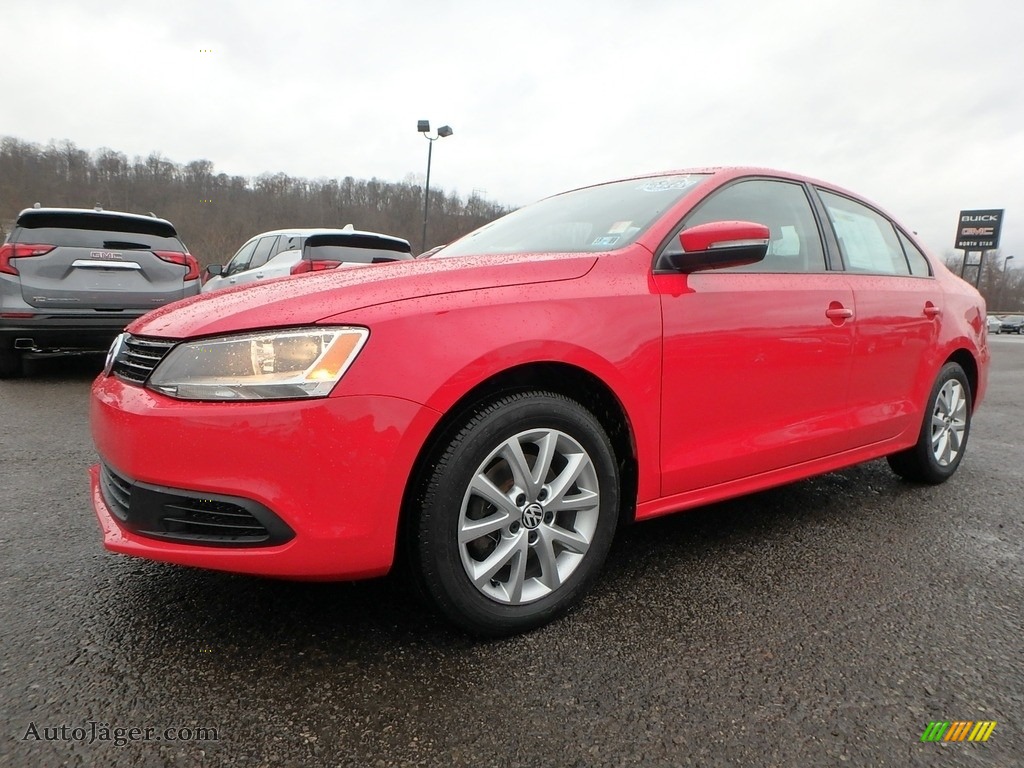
x: 979, y: 230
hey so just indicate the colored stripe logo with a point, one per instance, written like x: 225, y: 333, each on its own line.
x: 958, y: 730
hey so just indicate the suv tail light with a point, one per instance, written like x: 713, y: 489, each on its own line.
x: 314, y: 266
x: 186, y: 259
x: 11, y: 251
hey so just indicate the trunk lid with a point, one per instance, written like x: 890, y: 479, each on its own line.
x: 99, y: 261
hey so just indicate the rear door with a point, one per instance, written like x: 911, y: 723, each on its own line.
x: 898, y: 314
x: 287, y: 253
x: 95, y: 266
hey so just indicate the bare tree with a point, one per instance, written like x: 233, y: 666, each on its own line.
x: 1000, y: 284
x: 215, y: 213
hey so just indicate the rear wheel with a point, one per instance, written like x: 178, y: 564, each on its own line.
x: 10, y: 364
x: 517, y: 514
x: 943, y: 437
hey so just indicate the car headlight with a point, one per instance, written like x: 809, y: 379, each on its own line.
x: 272, y: 365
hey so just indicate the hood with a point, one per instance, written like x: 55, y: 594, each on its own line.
x: 306, y: 299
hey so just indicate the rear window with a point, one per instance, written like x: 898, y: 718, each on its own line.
x: 98, y: 238
x: 355, y: 249
x: 98, y: 221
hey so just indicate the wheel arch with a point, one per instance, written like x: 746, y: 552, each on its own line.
x: 562, y: 378
x: 966, y: 360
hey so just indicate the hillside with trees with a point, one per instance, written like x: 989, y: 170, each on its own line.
x: 1000, y: 284
x: 214, y: 212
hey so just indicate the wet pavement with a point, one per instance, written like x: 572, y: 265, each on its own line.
x: 825, y: 622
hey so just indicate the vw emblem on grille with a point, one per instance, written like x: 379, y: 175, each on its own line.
x: 533, y: 515
x: 113, y: 352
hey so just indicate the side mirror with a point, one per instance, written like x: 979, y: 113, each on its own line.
x: 716, y: 245
x: 214, y: 270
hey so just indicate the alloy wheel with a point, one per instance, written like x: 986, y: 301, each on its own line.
x: 949, y: 422
x: 529, y: 516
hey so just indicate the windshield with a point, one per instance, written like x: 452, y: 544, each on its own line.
x: 593, y: 219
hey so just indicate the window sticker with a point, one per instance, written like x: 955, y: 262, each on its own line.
x: 671, y: 183
x: 619, y: 227
x: 606, y: 240
x: 864, y: 244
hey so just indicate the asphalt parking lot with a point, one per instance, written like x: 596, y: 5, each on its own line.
x: 825, y: 622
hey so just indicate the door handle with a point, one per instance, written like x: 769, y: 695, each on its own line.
x: 838, y: 313
x: 259, y: 275
x: 930, y: 310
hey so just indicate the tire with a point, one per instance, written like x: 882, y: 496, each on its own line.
x: 944, y: 432
x: 10, y: 364
x: 502, y: 545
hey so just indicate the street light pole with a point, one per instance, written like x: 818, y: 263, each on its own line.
x: 423, y: 126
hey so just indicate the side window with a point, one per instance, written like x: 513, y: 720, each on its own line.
x: 783, y: 207
x: 867, y: 240
x: 918, y: 263
x: 288, y: 243
x: 263, y: 251
x: 241, y: 259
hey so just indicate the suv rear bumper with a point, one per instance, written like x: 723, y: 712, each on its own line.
x: 48, y: 333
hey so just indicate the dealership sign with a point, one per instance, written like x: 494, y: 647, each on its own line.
x: 979, y: 230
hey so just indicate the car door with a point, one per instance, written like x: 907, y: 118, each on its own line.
x: 253, y: 269
x: 898, y: 313
x: 238, y: 263
x: 286, y: 255
x: 755, y: 358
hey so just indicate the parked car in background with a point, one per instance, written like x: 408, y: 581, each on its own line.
x: 71, y: 279
x: 1012, y: 324
x: 293, y: 251
x: 993, y: 323
x: 493, y: 413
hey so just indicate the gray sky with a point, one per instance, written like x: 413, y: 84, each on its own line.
x: 915, y: 104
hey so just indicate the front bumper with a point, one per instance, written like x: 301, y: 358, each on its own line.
x: 332, y: 470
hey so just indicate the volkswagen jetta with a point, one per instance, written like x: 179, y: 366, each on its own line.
x: 495, y: 412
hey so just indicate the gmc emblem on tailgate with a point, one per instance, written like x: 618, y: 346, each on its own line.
x: 108, y: 255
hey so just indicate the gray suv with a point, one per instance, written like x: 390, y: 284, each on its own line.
x: 71, y: 279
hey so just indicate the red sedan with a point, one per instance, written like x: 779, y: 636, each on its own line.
x: 494, y: 412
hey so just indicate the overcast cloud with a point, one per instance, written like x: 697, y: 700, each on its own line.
x: 915, y: 104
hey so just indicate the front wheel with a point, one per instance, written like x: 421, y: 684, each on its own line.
x: 517, y: 514
x: 943, y: 438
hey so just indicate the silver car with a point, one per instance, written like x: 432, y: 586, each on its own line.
x: 284, y: 252
x: 71, y: 279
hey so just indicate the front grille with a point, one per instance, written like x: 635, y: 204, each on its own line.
x: 190, y: 516
x: 139, y: 356
x: 117, y: 492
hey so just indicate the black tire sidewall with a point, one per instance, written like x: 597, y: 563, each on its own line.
x: 441, y: 569
x: 10, y: 364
